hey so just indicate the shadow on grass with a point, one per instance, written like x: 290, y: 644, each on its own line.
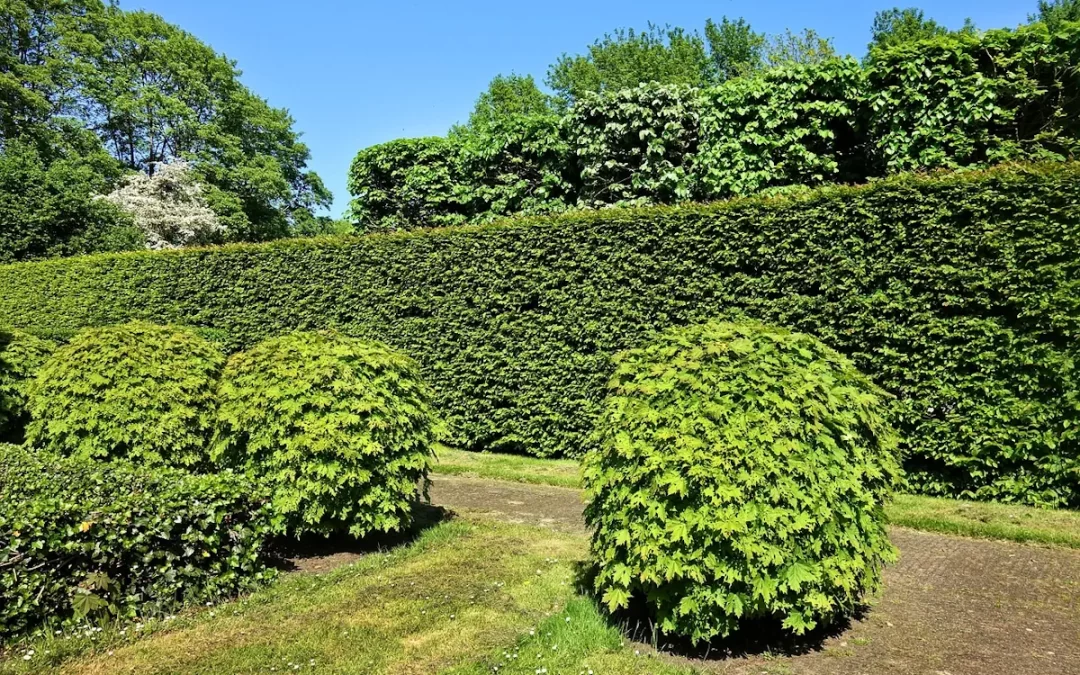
x: 756, y: 637
x: 318, y: 553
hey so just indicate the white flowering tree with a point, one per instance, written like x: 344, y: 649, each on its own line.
x: 169, y: 206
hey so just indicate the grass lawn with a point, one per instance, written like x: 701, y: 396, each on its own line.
x: 465, y: 597
x: 951, y: 516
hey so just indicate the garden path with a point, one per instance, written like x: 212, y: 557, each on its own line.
x: 951, y: 606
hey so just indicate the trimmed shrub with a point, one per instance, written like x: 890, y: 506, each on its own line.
x: 636, y: 146
x: 408, y: 183
x: 958, y: 294
x: 81, y: 539
x: 965, y: 100
x: 741, y: 474
x: 793, y: 125
x: 957, y: 101
x: 21, y: 355
x: 341, y: 430
x: 136, y: 390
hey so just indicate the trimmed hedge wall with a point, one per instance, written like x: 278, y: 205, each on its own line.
x: 959, y: 294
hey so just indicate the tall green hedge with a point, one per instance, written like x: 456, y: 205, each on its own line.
x: 954, y: 101
x: 958, y: 293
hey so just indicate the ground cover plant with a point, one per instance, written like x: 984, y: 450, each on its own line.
x: 341, y: 430
x: 88, y: 541
x: 741, y: 473
x: 136, y: 390
x: 21, y: 355
x: 954, y: 293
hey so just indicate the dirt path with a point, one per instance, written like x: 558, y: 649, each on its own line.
x: 951, y: 606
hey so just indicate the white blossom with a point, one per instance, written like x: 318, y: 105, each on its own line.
x: 169, y: 207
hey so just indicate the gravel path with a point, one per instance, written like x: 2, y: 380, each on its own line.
x: 951, y: 606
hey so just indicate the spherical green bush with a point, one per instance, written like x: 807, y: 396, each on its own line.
x: 740, y: 473
x: 21, y: 355
x: 135, y: 390
x: 340, y: 429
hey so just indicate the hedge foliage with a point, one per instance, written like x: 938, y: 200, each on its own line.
x: 341, y: 430
x: 135, y: 390
x: 957, y: 101
x: 741, y: 473
x: 956, y: 293
x: 21, y: 355
x: 81, y: 539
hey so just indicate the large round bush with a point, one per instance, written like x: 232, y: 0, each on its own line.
x: 21, y: 355
x: 136, y: 390
x: 740, y: 473
x: 341, y: 429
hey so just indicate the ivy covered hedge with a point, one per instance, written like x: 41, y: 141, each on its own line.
x: 955, y: 101
x: 83, y: 540
x: 956, y: 293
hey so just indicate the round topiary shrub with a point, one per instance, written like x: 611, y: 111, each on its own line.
x: 340, y: 429
x: 136, y: 390
x: 21, y: 355
x: 740, y: 473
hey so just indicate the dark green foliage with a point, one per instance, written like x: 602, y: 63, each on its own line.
x: 341, y: 430
x: 956, y: 293
x: 513, y: 156
x: 961, y: 100
x: 897, y: 26
x: 975, y: 99
x: 82, y: 540
x: 794, y: 125
x: 635, y: 146
x: 21, y: 355
x: 414, y: 182
x: 47, y: 204
x: 741, y: 473
x: 136, y: 390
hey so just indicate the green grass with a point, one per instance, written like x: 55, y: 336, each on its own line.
x: 455, y: 600
x: 1055, y: 527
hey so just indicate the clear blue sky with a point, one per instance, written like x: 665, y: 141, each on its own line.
x: 358, y: 73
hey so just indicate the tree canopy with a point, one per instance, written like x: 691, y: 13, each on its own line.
x: 149, y: 92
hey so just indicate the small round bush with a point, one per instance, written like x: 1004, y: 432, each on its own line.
x: 135, y: 390
x: 740, y: 473
x: 21, y: 355
x: 340, y: 429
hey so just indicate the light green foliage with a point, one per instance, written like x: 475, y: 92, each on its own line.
x: 1056, y: 12
x: 135, y: 391
x: 741, y: 473
x: 956, y: 293
x: 971, y: 100
x: 735, y: 49
x: 635, y: 146
x: 340, y: 429
x: 408, y: 183
x: 794, y: 125
x: 21, y: 355
x: 626, y: 58
x: 804, y: 47
x: 82, y: 541
x: 897, y: 26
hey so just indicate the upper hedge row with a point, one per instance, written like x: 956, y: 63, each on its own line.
x: 960, y: 294
x: 949, y: 102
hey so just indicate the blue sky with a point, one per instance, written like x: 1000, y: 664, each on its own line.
x: 354, y: 74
